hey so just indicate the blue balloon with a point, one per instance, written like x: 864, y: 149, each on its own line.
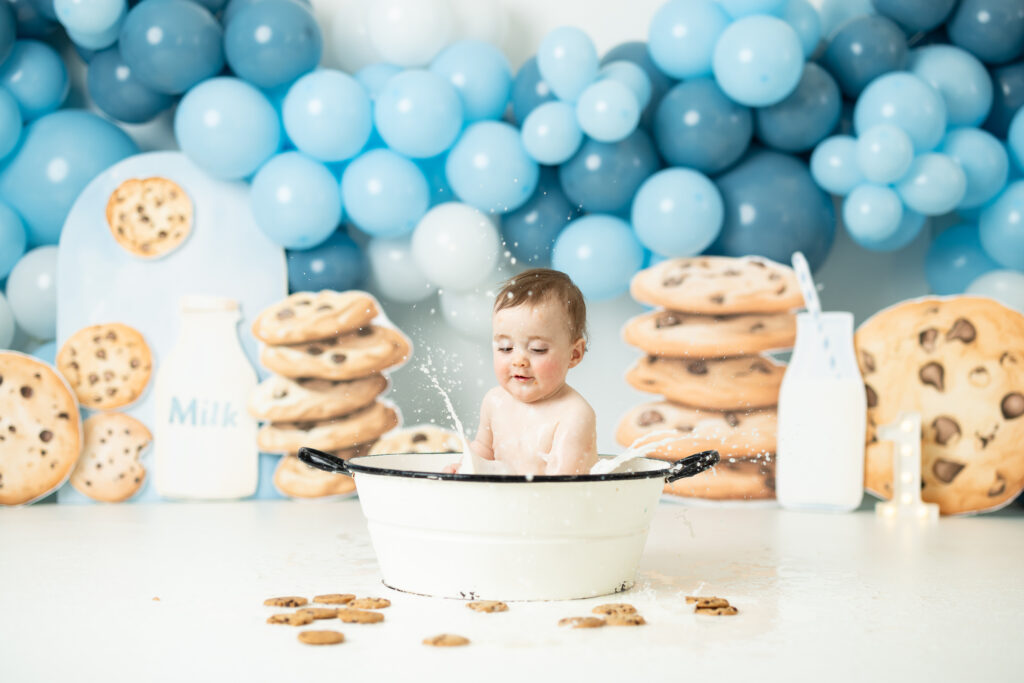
x: 637, y: 53
x: 803, y: 119
x: 758, y: 60
x: 13, y: 240
x: 295, y: 200
x: 95, y: 41
x: 47, y: 352
x: 31, y: 23
x: 171, y: 45
x: 384, y: 193
x: 437, y: 180
x: 57, y: 157
x: 529, y: 90
x: 36, y: 76
x: 1002, y: 227
x: 743, y: 8
x: 884, y: 153
x: 993, y: 30
x: 984, y: 162
x: 481, y: 75
x: 375, y: 76
x: 933, y: 185
x: 551, y: 133
x: 804, y: 19
x: 488, y: 168
x: 955, y: 259
x: 567, y: 61
x: 772, y: 209
x: 8, y: 30
x: 904, y: 100
x: 631, y: 76
x: 338, y: 264
x: 600, y: 253
x: 418, y: 113
x: 607, y: 110
x: 233, y: 7
x: 872, y: 214
x: 529, y: 232
x: 915, y: 15
x: 1007, y: 98
x: 906, y: 232
x: 959, y: 77
x: 327, y: 114
x: 272, y: 42
x: 94, y: 17
x: 682, y: 36
x: 1015, y: 140
x: 115, y: 90
x: 10, y: 122
x: 834, y: 165
x: 677, y: 212
x: 836, y: 13
x: 227, y: 127
x: 45, y: 8
x: 863, y: 49
x: 604, y: 176
x: 696, y: 125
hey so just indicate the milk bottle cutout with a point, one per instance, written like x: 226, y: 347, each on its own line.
x: 204, y: 439
x: 822, y: 411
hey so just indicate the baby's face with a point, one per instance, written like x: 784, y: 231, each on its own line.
x: 532, y: 350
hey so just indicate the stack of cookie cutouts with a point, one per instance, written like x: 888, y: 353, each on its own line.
x: 706, y: 345
x: 329, y: 352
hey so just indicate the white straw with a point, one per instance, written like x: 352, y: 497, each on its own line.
x: 813, y: 304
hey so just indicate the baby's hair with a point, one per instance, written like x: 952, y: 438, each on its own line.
x: 543, y: 284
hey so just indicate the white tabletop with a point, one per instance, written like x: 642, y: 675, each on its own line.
x: 821, y: 597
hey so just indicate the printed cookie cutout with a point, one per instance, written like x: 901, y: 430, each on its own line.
x: 959, y: 362
x: 425, y: 438
x: 279, y: 399
x: 107, y: 365
x: 109, y: 469
x: 363, y: 426
x: 719, y: 384
x: 364, y: 352
x: 671, y: 333
x: 149, y: 217
x: 309, y: 316
x: 40, y: 429
x: 670, y: 431
x: 742, y: 478
x: 296, y: 479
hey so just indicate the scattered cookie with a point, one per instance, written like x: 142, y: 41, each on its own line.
x: 289, y: 601
x: 107, y: 365
x: 279, y: 399
x: 424, y: 438
x: 291, y: 618
x: 362, y: 426
x: 334, y: 598
x: 149, y: 217
x: 724, y: 384
x: 368, y: 350
x: 706, y: 602
x: 614, y: 608
x: 296, y: 479
x: 582, y: 622
x: 370, y: 603
x: 109, y: 469
x: 446, y: 640
x: 308, y: 316
x: 320, y: 612
x: 321, y: 637
x: 487, y: 606
x: 359, y: 616
x: 717, y: 611
x: 620, y: 619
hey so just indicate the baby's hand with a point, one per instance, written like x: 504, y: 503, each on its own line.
x: 451, y: 469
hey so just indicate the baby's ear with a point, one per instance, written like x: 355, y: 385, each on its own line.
x: 579, y: 349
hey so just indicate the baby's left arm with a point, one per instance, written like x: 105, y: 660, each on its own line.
x: 574, y: 449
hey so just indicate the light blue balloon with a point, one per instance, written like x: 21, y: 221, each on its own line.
x: 567, y: 61
x: 904, y: 100
x: 906, y: 232
x: 933, y: 185
x: 682, y: 35
x: 959, y: 77
x: 489, y: 168
x: 384, y: 193
x: 636, y: 52
x: 227, y: 127
x: 677, y: 212
x: 480, y: 74
x: 375, y: 76
x: 884, y: 153
x: 600, y: 253
x: 32, y: 292
x: 116, y: 91
x: 295, y: 200
x: 35, y: 74
x: 96, y: 41
x: 551, y: 133
x: 1005, y: 286
x: 805, y: 116
x: 57, y: 157
x: 758, y: 60
x: 10, y: 122
x: 434, y: 171
x: 327, y: 115
x: 529, y: 232
x: 272, y: 42
x: 834, y: 165
x: 742, y: 8
x: 46, y: 352
x: 872, y: 213
x: 630, y: 75
x: 805, y: 20
x: 529, y: 90
x: 13, y: 239
x: 1001, y: 227
x: 607, y: 111
x: 955, y: 259
x: 419, y: 113
x: 984, y: 161
x: 94, y: 16
x: 8, y: 327
x: 1015, y: 139
x: 696, y: 125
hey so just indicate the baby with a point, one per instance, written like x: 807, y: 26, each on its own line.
x: 533, y: 422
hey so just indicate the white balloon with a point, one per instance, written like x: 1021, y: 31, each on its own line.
x: 394, y: 272
x: 485, y: 20
x: 32, y: 292
x: 347, y: 43
x: 470, y: 312
x: 456, y: 246
x: 7, y: 325
x: 1005, y: 286
x: 409, y: 32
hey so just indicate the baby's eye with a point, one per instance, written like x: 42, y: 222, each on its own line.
x: 505, y: 349
x: 538, y: 350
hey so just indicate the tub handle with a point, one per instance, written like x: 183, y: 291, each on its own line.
x: 324, y: 461
x: 687, y: 467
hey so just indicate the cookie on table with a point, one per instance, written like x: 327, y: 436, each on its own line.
x: 109, y: 469
x: 959, y: 362
x: 670, y: 431
x: 363, y: 426
x: 366, y: 351
x: 721, y: 384
x: 296, y: 479
x: 149, y: 217
x: 308, y: 316
x: 425, y: 438
x: 107, y: 365
x: 742, y: 478
x: 671, y: 333
x: 40, y: 429
x: 280, y: 399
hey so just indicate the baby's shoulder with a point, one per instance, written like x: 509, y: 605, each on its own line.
x: 578, y: 406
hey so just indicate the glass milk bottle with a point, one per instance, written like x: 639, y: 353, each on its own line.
x: 204, y: 439
x: 822, y: 418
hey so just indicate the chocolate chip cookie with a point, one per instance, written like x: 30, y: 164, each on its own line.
x: 357, y: 354
x: 279, y: 399
x: 149, y: 217
x: 671, y: 431
x: 109, y: 469
x: 296, y: 479
x: 308, y: 316
x: 362, y: 426
x: 424, y: 438
x: 721, y: 384
x: 733, y: 478
x: 958, y: 361
x: 107, y: 365
x: 671, y: 333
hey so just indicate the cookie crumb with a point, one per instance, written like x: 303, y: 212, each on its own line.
x: 582, y: 622
x: 321, y: 637
x: 446, y: 640
x: 155, y: 599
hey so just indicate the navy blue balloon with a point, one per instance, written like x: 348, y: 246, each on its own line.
x: 993, y: 30
x: 604, y: 176
x: 337, y: 263
x: 915, y: 15
x: 863, y: 49
x: 31, y: 22
x: 1007, y: 98
x: 273, y: 42
x: 120, y: 95
x: 530, y: 231
x: 636, y: 52
x: 45, y: 9
x: 697, y: 125
x: 773, y: 208
x: 233, y: 7
x: 529, y: 90
x: 8, y: 30
x: 213, y: 5
x: 805, y: 117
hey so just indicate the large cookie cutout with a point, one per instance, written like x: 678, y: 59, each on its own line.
x: 109, y: 469
x: 149, y: 217
x: 107, y: 365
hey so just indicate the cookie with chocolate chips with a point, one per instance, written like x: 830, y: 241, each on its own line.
x: 107, y: 365
x: 364, y: 352
x: 671, y: 333
x: 279, y: 399
x: 959, y: 361
x: 296, y: 479
x: 736, y: 383
x: 717, y: 285
x: 109, y: 469
x: 309, y: 316
x: 425, y: 438
x: 671, y: 431
x: 40, y: 429
x: 149, y: 217
x: 362, y: 426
